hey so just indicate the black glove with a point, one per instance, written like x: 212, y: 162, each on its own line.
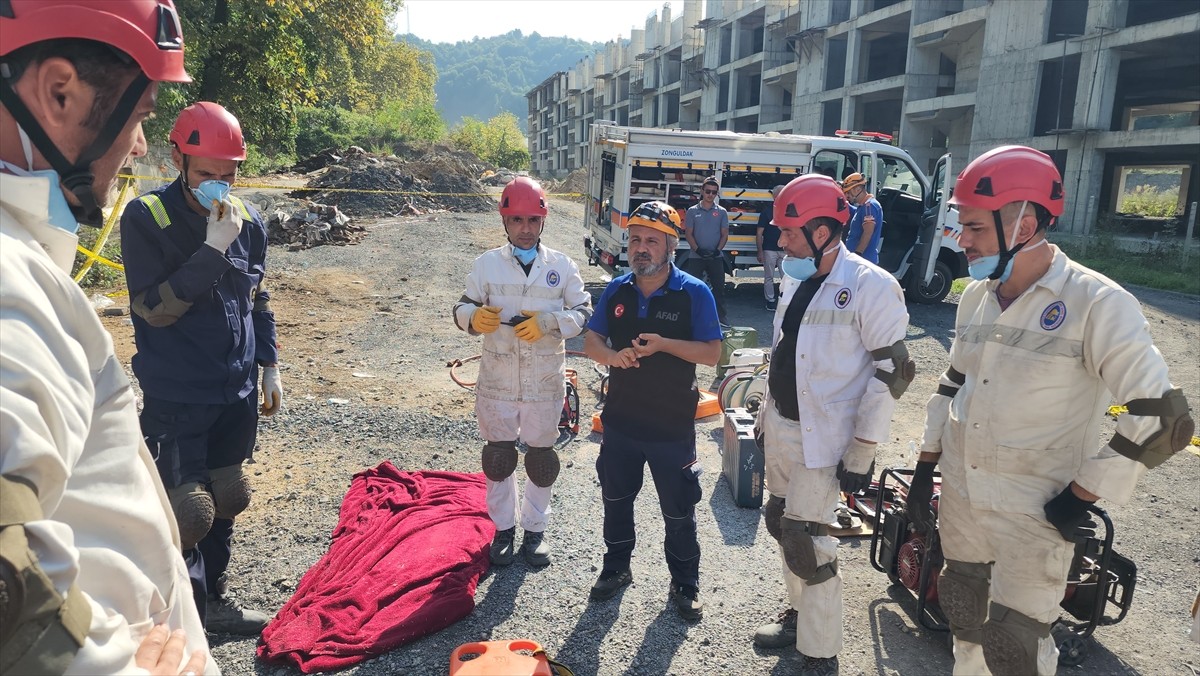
x: 1069, y: 514
x: 853, y: 483
x: 920, y: 493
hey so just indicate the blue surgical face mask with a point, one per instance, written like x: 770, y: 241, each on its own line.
x: 60, y: 214
x: 526, y: 256
x: 799, y: 268
x: 211, y: 191
x: 983, y: 267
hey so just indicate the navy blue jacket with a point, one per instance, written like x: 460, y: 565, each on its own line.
x: 210, y: 354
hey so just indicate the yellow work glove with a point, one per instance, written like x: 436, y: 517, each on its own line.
x: 536, y: 327
x: 485, y: 319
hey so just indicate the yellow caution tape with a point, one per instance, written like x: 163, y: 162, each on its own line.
x: 93, y: 255
x: 1114, y: 411
x: 267, y: 186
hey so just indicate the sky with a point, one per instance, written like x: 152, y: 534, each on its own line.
x: 590, y: 20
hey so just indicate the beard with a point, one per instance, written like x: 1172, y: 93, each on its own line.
x: 644, y: 265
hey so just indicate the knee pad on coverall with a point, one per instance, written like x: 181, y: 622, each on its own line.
x: 800, y: 552
x: 1010, y: 641
x: 541, y: 465
x: 230, y: 491
x: 499, y: 459
x: 194, y: 511
x: 963, y: 596
x: 773, y: 515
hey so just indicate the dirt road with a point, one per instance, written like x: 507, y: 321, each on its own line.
x: 366, y: 333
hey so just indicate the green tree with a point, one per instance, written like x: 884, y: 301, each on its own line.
x: 265, y: 59
x: 499, y: 141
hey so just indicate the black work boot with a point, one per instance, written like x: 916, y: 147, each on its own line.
x: 535, y: 549
x: 687, y: 599
x: 610, y: 582
x: 223, y: 614
x: 502, y: 546
x: 779, y: 634
x: 819, y: 666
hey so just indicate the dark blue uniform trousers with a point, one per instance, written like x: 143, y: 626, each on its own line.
x: 188, y: 440
x: 673, y: 467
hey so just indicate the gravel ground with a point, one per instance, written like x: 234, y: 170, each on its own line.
x: 368, y: 326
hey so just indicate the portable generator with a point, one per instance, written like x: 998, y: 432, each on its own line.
x: 1099, y: 589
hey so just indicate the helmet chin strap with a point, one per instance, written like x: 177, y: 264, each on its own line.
x: 77, y: 178
x: 817, y: 253
x: 1007, y: 254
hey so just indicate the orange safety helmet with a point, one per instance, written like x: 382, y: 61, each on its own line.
x: 657, y: 215
x: 853, y: 181
x: 523, y: 196
x: 206, y: 129
x: 1010, y: 174
x: 807, y: 197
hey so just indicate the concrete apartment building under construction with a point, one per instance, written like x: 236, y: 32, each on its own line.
x: 1106, y: 87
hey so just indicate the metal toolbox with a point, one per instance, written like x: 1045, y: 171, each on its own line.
x: 742, y: 459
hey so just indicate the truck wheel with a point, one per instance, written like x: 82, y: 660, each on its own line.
x: 935, y: 290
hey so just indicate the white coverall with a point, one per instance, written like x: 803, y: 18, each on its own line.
x: 68, y: 426
x: 520, y: 389
x: 859, y: 308
x: 1026, y: 422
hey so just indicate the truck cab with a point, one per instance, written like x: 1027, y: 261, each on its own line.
x: 630, y: 165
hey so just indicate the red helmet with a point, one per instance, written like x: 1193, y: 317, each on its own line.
x: 146, y: 30
x: 205, y: 129
x: 1010, y: 174
x: 807, y: 197
x: 523, y: 197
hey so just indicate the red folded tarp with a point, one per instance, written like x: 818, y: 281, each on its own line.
x: 407, y: 553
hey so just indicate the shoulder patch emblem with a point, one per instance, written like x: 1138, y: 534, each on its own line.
x: 1053, y: 315
x: 552, y: 278
x: 619, y: 310
x: 842, y: 299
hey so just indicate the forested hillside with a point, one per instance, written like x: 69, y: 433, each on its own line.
x: 483, y: 77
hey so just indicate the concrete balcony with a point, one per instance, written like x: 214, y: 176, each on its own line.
x: 877, y: 86
x: 779, y: 73
x: 1147, y: 138
x: 939, y: 107
x: 953, y: 28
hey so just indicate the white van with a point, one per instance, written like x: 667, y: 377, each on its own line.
x: 631, y: 165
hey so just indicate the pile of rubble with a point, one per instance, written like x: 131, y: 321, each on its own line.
x: 573, y: 186
x: 499, y: 177
x: 311, y: 226
x: 415, y: 181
